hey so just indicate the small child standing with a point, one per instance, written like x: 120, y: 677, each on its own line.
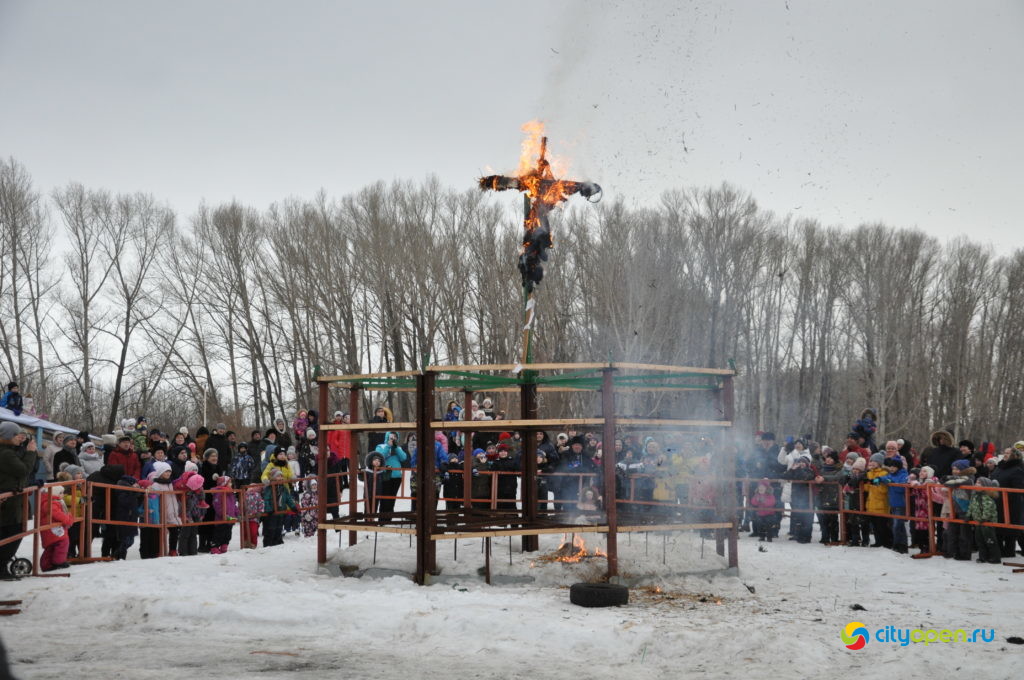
x: 764, y: 519
x: 956, y: 540
x: 195, y: 510
x: 277, y: 503
x: 253, y: 504
x: 55, y: 540
x: 801, y: 519
x: 982, y: 508
x: 225, y: 507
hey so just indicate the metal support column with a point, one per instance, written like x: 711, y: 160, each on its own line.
x: 528, y: 411
x: 321, y: 482
x: 608, y: 467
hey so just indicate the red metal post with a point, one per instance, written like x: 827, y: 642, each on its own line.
x: 321, y: 482
x: 608, y: 463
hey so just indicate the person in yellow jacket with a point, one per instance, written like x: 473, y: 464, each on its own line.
x: 878, y: 502
x: 278, y: 461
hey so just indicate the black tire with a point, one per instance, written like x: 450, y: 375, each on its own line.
x: 598, y: 594
x: 21, y: 567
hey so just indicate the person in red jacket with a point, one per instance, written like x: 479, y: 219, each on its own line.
x: 55, y: 539
x: 124, y: 455
x: 339, y: 444
x: 853, y: 445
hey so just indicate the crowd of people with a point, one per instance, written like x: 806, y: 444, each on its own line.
x: 201, y: 482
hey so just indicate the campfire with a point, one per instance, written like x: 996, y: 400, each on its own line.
x: 571, y: 551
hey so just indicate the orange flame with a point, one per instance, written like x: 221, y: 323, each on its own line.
x: 576, y: 551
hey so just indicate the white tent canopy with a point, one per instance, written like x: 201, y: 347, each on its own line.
x: 31, y: 421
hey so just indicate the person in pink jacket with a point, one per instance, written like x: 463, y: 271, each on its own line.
x: 55, y: 539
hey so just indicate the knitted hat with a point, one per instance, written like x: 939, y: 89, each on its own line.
x: 195, y: 482
x: 894, y: 462
x: 961, y: 464
x: 109, y: 440
x: 191, y: 466
x: 852, y: 457
x: 220, y: 426
x: 878, y: 458
x: 223, y: 480
x: 160, y: 467
x: 9, y: 430
x: 183, y: 430
x: 339, y: 414
x: 860, y: 464
x: 310, y: 433
x: 926, y: 473
x: 985, y: 481
x: 74, y: 470
x: 56, y: 490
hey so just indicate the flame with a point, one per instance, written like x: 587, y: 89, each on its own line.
x: 576, y: 551
x: 531, y: 147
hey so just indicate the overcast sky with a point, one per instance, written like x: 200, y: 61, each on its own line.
x: 909, y: 113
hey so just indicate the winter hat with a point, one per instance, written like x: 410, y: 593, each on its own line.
x: 310, y: 433
x: 183, y: 430
x: 291, y: 450
x: 220, y: 426
x: 195, y: 482
x: 88, y: 445
x: 985, y: 481
x: 478, y: 452
x: 9, y: 430
x: 161, y: 467
x: 894, y: 462
x: 860, y: 464
x: 207, y: 452
x: 878, y: 458
x: 961, y: 464
x: 56, y: 490
x: 926, y: 473
x: 191, y: 466
x: 1019, y: 446
x: 562, y: 437
x: 339, y: 414
x: 968, y: 443
x: 109, y: 440
x: 73, y: 470
x: 11, y: 385
x: 852, y: 457
x: 223, y: 480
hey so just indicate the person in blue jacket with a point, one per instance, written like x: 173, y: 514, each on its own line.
x: 897, y: 501
x: 395, y: 458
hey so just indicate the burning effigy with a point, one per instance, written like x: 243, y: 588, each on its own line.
x: 543, y: 192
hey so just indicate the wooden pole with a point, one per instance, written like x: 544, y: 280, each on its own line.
x: 729, y: 409
x: 426, y: 502
x: 321, y: 483
x: 528, y: 411
x: 353, y: 463
x: 467, y: 456
x: 608, y: 467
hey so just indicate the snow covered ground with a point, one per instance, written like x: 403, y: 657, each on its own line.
x: 269, y: 611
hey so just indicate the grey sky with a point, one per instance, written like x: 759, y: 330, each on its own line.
x: 902, y: 112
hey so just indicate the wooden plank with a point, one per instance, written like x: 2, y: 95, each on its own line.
x: 657, y: 422
x: 577, y: 529
x: 360, y: 377
x: 369, y: 427
x: 369, y: 528
x: 526, y: 367
x: 625, y: 365
x: 673, y: 527
x: 482, y: 425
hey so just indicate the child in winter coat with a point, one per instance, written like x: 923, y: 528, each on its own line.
x: 300, y: 424
x: 801, y: 521
x: 308, y: 508
x: 243, y: 465
x: 877, y: 501
x: 956, y: 540
x: 74, y: 500
x: 253, y: 505
x: 225, y: 508
x: 920, y: 498
x: 897, y: 501
x: 764, y: 502
x: 828, y: 497
x: 195, y: 511
x: 162, y: 506
x: 277, y: 502
x: 858, y: 531
x: 55, y: 539
x: 126, y: 507
x: 982, y: 508
x: 452, y: 483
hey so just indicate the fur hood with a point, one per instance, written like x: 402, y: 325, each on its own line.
x: 938, y: 436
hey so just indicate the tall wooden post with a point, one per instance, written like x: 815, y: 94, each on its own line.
x: 608, y: 467
x: 321, y: 482
x: 528, y: 411
x: 729, y: 412
x: 353, y: 463
x: 426, y: 505
x: 467, y: 458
